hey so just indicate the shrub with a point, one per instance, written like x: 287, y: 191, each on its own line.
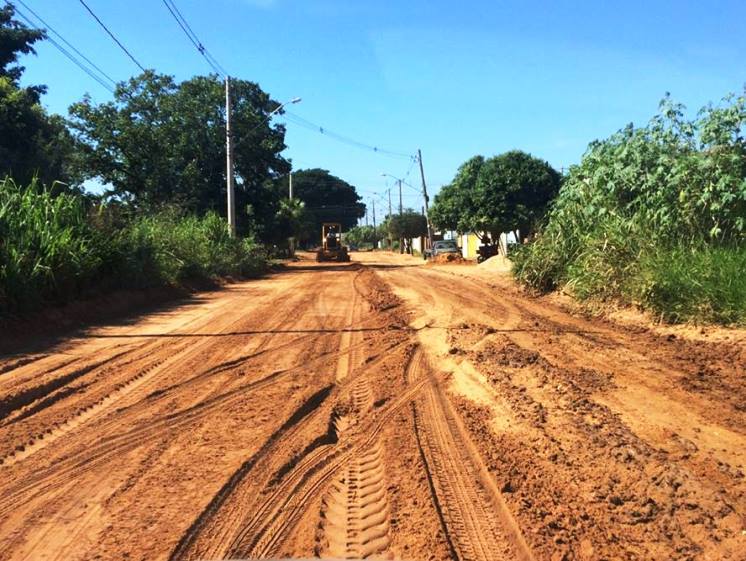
x: 644, y: 209
x: 55, y: 246
x: 694, y: 283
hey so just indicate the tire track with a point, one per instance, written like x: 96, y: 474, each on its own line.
x: 354, y: 516
x: 355, y: 509
x: 477, y: 521
x: 260, y: 526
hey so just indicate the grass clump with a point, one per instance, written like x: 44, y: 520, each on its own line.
x: 54, y: 246
x: 693, y: 282
x: 655, y: 217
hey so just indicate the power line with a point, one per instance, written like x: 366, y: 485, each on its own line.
x: 65, y: 52
x: 192, y: 36
x: 300, y: 121
x: 140, y: 66
x: 81, y: 55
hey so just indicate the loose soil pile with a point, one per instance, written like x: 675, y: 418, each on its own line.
x: 453, y: 258
x: 498, y: 263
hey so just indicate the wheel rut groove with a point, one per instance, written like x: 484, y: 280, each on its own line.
x: 354, y: 517
x: 477, y: 530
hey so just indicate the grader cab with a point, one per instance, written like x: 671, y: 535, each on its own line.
x: 331, y: 243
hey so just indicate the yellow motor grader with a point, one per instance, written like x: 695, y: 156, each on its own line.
x: 331, y: 243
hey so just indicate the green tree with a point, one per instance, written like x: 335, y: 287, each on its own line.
x: 363, y: 236
x: 507, y: 192
x: 406, y: 226
x: 292, y: 220
x: 16, y: 39
x: 454, y: 207
x: 327, y: 198
x: 163, y: 143
x: 32, y: 143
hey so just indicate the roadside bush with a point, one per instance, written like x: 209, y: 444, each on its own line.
x: 693, y: 282
x: 168, y: 249
x: 646, y: 211
x: 47, y: 247
x: 53, y: 247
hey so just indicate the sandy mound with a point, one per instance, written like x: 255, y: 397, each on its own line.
x: 497, y: 263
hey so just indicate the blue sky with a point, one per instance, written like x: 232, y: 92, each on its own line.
x: 452, y: 78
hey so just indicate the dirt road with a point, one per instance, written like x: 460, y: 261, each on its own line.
x: 378, y: 409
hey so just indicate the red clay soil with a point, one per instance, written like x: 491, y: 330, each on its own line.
x: 382, y: 409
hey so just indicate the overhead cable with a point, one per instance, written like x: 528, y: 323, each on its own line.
x: 129, y: 54
x: 300, y: 121
x: 192, y: 36
x: 81, y: 55
x: 100, y: 79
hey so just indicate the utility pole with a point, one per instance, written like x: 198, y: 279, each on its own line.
x: 391, y: 240
x: 291, y: 240
x: 229, y: 160
x: 401, y: 206
x: 424, y: 195
x: 375, y: 240
x: 366, y: 216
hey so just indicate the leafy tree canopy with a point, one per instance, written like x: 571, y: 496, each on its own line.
x: 407, y: 225
x: 32, y: 143
x: 163, y: 143
x: 16, y: 39
x: 327, y: 198
x: 506, y: 192
x: 363, y: 235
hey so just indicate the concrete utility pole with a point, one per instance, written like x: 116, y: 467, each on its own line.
x: 375, y: 239
x: 424, y: 195
x: 391, y: 240
x: 229, y: 160
x: 291, y: 240
x: 401, y: 206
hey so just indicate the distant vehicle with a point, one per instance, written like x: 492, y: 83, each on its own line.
x: 331, y: 243
x: 442, y: 247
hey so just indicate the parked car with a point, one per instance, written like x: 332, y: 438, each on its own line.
x: 442, y: 247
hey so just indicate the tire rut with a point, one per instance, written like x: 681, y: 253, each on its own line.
x: 478, y: 524
x: 354, y: 516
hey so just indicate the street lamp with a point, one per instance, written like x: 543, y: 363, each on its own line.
x: 231, y: 207
x: 401, y: 206
x: 292, y: 101
x: 275, y: 110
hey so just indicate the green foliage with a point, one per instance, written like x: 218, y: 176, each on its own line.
x: 327, y: 198
x: 46, y: 245
x: 32, y: 143
x: 454, y: 207
x: 650, y: 195
x: 54, y: 246
x: 701, y: 282
x: 15, y: 39
x: 163, y: 143
x: 407, y: 225
x: 363, y: 236
x: 291, y: 220
x: 503, y: 193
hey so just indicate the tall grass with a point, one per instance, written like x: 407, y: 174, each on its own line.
x: 54, y: 247
x: 653, y: 216
x: 697, y: 282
